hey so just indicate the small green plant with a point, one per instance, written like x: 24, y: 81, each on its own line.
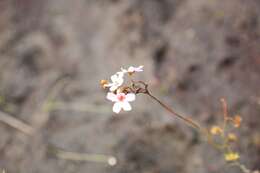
x: 221, y: 137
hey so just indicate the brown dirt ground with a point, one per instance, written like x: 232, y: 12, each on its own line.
x: 194, y: 51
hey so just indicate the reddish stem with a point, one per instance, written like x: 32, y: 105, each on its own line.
x: 175, y: 114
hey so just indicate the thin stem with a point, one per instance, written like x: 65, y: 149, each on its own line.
x: 225, y: 113
x: 187, y: 120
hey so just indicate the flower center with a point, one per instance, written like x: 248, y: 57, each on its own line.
x: 121, y: 97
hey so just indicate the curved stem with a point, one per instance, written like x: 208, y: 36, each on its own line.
x: 187, y: 120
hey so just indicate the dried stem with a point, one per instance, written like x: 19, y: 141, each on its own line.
x: 16, y: 123
x: 100, y: 158
x: 225, y: 114
x: 144, y: 90
x: 175, y: 114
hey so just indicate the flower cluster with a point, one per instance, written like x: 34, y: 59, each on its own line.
x: 227, y: 137
x: 118, y: 93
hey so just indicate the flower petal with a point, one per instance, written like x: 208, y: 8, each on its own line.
x: 111, y: 96
x: 131, y: 69
x: 123, y: 70
x: 113, y: 88
x: 120, y: 81
x: 140, y: 68
x: 120, y: 74
x: 114, y: 78
x: 130, y: 97
x: 117, y: 107
x: 108, y: 85
x: 126, y: 106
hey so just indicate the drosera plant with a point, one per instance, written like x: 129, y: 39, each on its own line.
x: 221, y: 137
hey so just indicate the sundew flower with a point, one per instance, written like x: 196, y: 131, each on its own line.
x: 121, y: 101
x: 122, y: 93
x: 117, y: 80
x: 131, y: 70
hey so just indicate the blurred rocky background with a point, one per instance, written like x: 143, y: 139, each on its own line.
x: 54, y: 52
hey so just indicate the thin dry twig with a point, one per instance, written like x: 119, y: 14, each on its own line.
x: 224, y: 107
x: 16, y: 123
x: 28, y: 129
x: 66, y: 155
x: 185, y: 119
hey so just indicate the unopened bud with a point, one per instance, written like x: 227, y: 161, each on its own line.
x: 103, y: 83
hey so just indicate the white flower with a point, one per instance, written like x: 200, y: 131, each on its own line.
x: 117, y: 80
x: 121, y: 101
x: 132, y: 69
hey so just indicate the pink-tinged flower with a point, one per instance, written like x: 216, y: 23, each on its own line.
x: 132, y: 69
x: 117, y: 80
x: 121, y: 101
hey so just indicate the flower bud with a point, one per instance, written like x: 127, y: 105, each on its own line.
x: 103, y: 83
x: 232, y: 137
x: 216, y: 130
x: 237, y: 121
